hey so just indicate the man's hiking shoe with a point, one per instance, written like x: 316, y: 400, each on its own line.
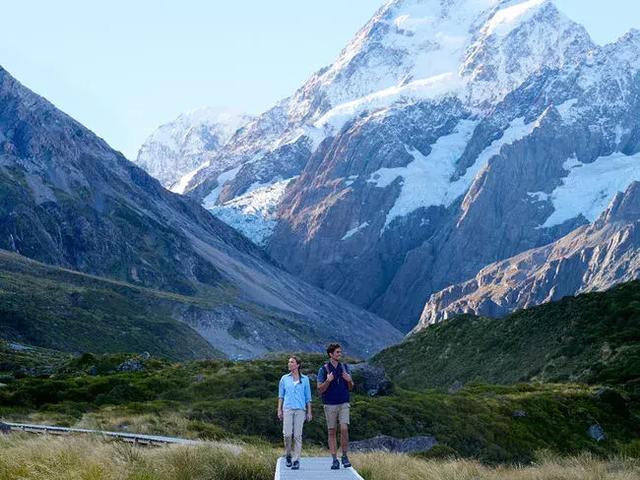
x: 288, y: 460
x: 296, y: 465
x: 345, y: 461
x: 335, y: 465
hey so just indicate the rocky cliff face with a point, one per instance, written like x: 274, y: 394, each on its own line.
x: 68, y: 199
x: 591, y: 258
x: 447, y: 135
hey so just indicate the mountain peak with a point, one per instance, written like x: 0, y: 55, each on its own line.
x: 627, y: 47
x: 478, y: 50
x: 178, y: 147
x: 406, y: 40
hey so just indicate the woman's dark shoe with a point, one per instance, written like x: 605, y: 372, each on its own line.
x: 296, y: 465
x: 335, y: 465
x: 345, y: 461
x: 288, y: 460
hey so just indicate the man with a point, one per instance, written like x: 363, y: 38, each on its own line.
x: 334, y: 384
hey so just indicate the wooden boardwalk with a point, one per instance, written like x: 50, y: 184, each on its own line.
x: 135, y: 438
x: 314, y: 468
x: 127, y: 437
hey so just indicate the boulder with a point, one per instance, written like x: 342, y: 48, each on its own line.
x: 370, y: 379
x: 596, y: 432
x: 395, y: 445
x: 131, y: 365
x: 455, y: 387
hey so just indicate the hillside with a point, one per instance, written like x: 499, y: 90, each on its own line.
x: 592, y: 338
x: 65, y: 310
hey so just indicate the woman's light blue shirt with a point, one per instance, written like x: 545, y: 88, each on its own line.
x: 295, y: 396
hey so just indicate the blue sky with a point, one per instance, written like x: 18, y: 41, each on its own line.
x: 124, y: 67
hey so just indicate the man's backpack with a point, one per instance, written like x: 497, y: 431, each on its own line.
x: 340, y: 368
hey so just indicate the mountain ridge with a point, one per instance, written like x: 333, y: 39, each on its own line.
x: 594, y: 257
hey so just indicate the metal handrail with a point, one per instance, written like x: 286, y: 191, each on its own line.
x: 129, y: 437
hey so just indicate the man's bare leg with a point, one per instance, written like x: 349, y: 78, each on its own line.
x: 333, y: 448
x: 344, y: 438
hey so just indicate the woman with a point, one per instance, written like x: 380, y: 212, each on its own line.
x: 294, y: 405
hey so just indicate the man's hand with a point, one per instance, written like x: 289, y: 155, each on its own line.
x: 346, y: 377
x: 280, y: 415
x: 322, y: 387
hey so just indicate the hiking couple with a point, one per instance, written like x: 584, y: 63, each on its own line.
x: 294, y: 405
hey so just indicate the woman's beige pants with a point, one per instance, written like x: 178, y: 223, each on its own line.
x: 292, y: 424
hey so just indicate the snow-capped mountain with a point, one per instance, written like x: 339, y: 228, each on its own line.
x: 449, y: 134
x: 70, y: 200
x: 477, y: 50
x: 181, y: 146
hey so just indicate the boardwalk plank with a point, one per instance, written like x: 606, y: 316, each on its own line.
x: 314, y: 468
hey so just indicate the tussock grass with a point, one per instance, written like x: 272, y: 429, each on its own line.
x: 385, y: 466
x: 170, y: 424
x: 91, y: 458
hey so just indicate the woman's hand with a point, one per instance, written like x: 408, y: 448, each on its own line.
x: 309, y: 416
x: 280, y: 414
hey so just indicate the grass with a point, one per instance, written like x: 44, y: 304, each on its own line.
x: 90, y: 458
x: 380, y: 466
x: 591, y: 338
